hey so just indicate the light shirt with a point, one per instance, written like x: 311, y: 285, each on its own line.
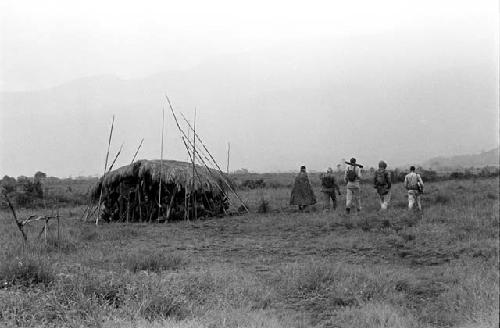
x: 412, y: 180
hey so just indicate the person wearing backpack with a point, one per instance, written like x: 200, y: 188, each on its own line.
x: 415, y: 186
x: 352, y: 177
x: 328, y: 188
x: 382, y: 182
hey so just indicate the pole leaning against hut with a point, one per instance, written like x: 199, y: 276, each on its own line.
x: 186, y: 199
x: 196, y: 152
x: 228, y: 153
x: 105, y: 167
x: 224, y: 179
x: 161, y: 162
x: 194, y: 169
x: 137, y: 151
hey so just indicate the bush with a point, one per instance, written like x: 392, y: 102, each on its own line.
x: 253, y: 184
x: 441, y: 198
x: 25, y: 271
x: 163, y: 307
x: 156, y: 262
x: 89, y: 234
x: 491, y: 195
x: 105, y: 289
x: 263, y: 206
x: 8, y: 184
x: 63, y: 244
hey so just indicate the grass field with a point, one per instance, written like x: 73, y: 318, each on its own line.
x: 281, y: 268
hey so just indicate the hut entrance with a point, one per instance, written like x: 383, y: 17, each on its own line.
x: 132, y: 193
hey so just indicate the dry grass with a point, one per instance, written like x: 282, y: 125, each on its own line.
x: 281, y: 268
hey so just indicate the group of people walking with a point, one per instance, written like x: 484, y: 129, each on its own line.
x: 303, y: 194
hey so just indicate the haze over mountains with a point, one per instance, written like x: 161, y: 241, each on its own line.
x: 310, y: 104
x: 485, y: 158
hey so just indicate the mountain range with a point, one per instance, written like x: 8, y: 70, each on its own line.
x: 302, y: 105
x: 485, y: 158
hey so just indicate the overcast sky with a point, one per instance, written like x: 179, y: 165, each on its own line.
x: 439, y: 49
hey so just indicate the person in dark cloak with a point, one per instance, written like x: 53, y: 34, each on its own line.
x: 302, y: 193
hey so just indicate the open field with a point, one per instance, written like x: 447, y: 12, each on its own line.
x: 280, y: 268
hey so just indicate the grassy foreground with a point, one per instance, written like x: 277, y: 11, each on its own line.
x: 280, y: 268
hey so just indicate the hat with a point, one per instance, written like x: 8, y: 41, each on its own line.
x: 303, y: 168
x: 382, y: 164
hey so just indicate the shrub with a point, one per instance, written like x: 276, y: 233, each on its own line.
x: 163, y: 307
x: 25, y: 271
x: 253, y: 184
x: 263, y: 206
x: 89, y: 234
x: 8, y: 184
x: 104, y: 289
x: 491, y: 195
x: 120, y: 233
x: 63, y: 244
x: 155, y: 262
x: 376, y: 315
x: 441, y: 198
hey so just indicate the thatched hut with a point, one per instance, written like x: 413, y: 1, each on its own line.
x: 131, y: 193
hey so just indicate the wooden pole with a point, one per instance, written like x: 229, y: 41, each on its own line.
x: 58, y: 231
x: 14, y: 215
x: 46, y: 227
x: 120, y: 202
x: 138, y: 191
x: 161, y: 162
x: 186, y: 198
x: 228, y: 152
x: 105, y: 167
x: 219, y: 171
x: 128, y: 207
x: 137, y: 151
x: 194, y: 160
x: 224, y: 179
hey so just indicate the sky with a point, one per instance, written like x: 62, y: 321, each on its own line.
x: 261, y: 73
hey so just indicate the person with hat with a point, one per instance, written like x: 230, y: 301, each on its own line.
x: 302, y: 193
x: 382, y: 182
x: 352, y: 177
x: 415, y: 186
x: 328, y: 188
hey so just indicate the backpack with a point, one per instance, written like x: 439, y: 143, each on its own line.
x: 420, y: 186
x: 352, y: 175
x: 381, y: 177
x: 328, y: 181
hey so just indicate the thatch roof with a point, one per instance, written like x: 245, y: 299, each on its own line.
x: 171, y: 172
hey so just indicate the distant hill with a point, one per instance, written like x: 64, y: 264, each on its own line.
x: 486, y: 158
x: 278, y: 109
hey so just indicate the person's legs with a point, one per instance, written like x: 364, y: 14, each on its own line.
x: 385, y: 199
x: 419, y: 204
x: 357, y: 195
x: 326, y: 200
x: 334, y: 200
x: 348, y: 200
x: 381, y: 201
x: 411, y: 199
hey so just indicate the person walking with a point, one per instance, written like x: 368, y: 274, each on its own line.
x: 352, y: 178
x: 328, y: 188
x: 382, y: 182
x: 415, y: 186
x: 302, y: 193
